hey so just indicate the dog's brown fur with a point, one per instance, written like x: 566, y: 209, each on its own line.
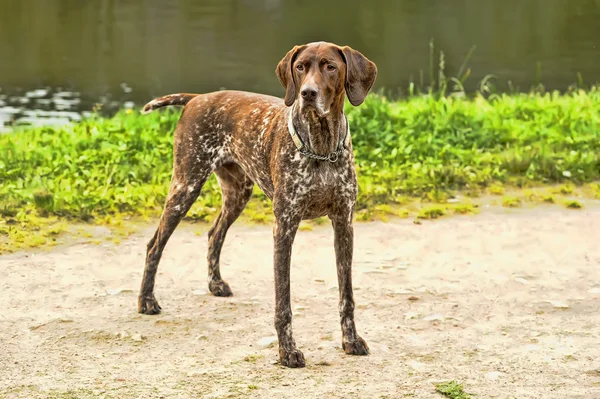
x: 243, y: 138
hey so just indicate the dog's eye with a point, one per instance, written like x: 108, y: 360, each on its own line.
x: 300, y: 67
x: 330, y: 67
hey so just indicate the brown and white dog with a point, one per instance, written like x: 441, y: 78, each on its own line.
x: 298, y: 151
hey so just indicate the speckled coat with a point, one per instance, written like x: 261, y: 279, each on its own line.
x: 244, y: 139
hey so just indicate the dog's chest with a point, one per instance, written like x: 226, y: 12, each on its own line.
x: 319, y: 186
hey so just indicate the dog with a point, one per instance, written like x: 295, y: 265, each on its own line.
x: 298, y: 150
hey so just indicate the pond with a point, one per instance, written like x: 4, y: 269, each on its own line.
x: 60, y: 57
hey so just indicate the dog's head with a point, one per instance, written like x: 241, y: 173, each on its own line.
x: 320, y: 74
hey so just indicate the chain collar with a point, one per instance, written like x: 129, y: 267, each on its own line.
x: 331, y: 157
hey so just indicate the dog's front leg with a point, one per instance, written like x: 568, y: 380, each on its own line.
x: 343, y: 232
x: 284, y: 231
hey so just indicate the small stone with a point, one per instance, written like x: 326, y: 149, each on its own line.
x: 594, y: 291
x: 374, y: 271
x: 434, y: 317
x: 493, y: 375
x: 521, y: 280
x: 137, y: 337
x: 410, y: 315
x: 200, y: 292
x: 117, y: 291
x: 402, y: 266
x: 193, y: 373
x: 413, y: 298
x: 559, y: 304
x: 266, y: 342
x: 417, y: 365
x: 402, y: 292
x: 382, y: 348
x: 122, y: 334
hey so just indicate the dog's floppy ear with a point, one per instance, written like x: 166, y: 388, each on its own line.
x: 360, y: 75
x: 286, y: 76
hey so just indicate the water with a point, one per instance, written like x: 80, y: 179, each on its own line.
x: 58, y: 58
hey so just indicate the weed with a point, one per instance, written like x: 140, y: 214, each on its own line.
x: 452, y: 390
x: 304, y: 226
x: 432, y: 212
x: 463, y: 209
x: 573, y: 204
x: 423, y: 146
x: 564, y: 189
x: 511, y: 202
x: 252, y: 358
x: 496, y: 189
x: 28, y: 230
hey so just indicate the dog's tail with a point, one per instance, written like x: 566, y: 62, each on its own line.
x: 180, y: 99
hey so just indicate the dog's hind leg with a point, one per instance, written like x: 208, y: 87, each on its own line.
x: 182, y: 195
x: 191, y: 169
x: 236, y: 188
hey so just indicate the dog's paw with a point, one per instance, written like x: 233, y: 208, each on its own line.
x: 358, y: 347
x: 148, y: 305
x: 219, y: 288
x: 292, y: 359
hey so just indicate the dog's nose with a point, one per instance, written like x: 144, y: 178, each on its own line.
x: 308, y: 93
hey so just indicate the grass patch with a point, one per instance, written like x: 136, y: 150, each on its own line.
x: 252, y: 358
x: 28, y: 230
x: 72, y: 394
x: 496, y: 189
x: 424, y: 146
x: 573, y: 204
x: 305, y: 226
x: 431, y: 212
x: 463, y: 209
x: 565, y: 189
x: 452, y: 390
x: 511, y: 202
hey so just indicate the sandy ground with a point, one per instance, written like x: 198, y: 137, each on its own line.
x: 507, y: 302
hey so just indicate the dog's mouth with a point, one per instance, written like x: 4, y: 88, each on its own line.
x: 317, y: 106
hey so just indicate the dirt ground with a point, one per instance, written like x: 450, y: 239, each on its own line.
x: 506, y: 302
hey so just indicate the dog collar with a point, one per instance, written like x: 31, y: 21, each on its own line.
x: 331, y: 157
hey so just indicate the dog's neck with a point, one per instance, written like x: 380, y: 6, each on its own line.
x: 321, y: 135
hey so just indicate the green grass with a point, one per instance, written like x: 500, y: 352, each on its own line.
x: 431, y: 212
x: 511, y: 202
x: 573, y: 204
x: 423, y: 146
x: 452, y: 390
